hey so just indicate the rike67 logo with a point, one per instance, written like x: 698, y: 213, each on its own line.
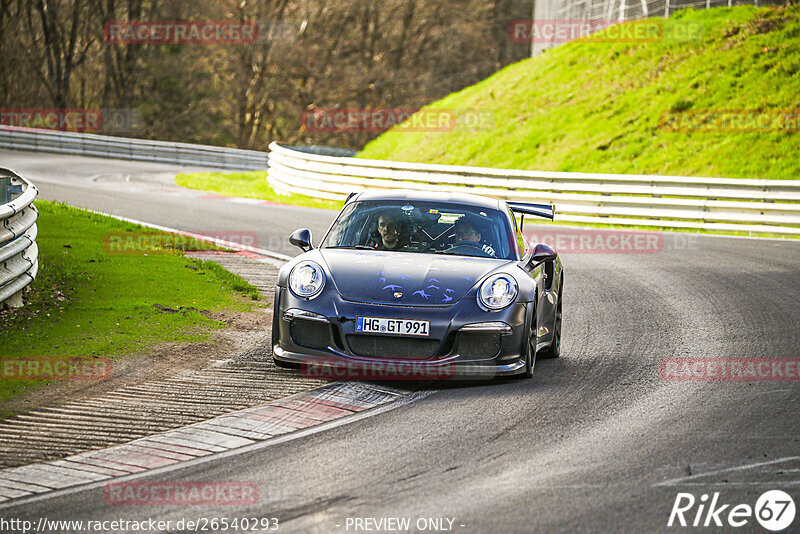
x: 774, y: 510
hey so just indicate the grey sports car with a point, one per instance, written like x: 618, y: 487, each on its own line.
x: 420, y: 285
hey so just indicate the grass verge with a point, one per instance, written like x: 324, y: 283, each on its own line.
x: 598, y: 106
x: 89, y: 302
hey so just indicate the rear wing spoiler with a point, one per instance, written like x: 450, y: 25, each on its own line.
x: 548, y: 211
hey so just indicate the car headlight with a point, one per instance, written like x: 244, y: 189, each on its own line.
x: 498, y: 291
x: 307, y: 279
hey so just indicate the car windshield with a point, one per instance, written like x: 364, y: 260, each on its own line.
x: 423, y: 227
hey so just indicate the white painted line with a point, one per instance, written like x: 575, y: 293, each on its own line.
x: 32, y: 488
x: 122, y: 454
x: 49, y: 481
x: 174, y: 440
x: 67, y: 471
x: 83, y: 459
x: 249, y: 422
x: 251, y: 425
x: 152, y: 451
x: 90, y: 468
x: 271, y: 257
x: 243, y: 200
x: 684, y: 480
x: 32, y: 474
x: 212, y: 438
x: 157, y: 445
x: 8, y: 493
x: 255, y: 436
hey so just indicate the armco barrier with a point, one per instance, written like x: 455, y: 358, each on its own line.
x: 131, y: 149
x: 721, y: 204
x: 19, y: 261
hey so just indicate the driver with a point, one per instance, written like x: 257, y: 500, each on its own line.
x: 467, y: 230
x: 390, y: 229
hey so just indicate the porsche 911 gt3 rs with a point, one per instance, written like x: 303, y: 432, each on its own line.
x: 433, y: 280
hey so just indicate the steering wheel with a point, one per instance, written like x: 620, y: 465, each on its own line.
x: 468, y: 248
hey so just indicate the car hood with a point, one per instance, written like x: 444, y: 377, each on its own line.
x: 418, y: 279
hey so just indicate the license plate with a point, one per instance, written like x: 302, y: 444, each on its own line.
x: 402, y: 327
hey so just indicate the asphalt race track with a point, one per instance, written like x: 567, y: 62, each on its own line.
x: 147, y: 192
x: 597, y: 441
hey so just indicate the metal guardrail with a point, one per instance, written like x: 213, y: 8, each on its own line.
x: 131, y: 149
x: 19, y: 255
x: 720, y: 204
x: 325, y: 150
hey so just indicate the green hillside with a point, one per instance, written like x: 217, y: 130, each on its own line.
x: 590, y: 105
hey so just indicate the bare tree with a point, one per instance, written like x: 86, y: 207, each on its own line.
x: 120, y: 59
x: 311, y: 54
x: 61, y: 34
x: 256, y: 69
x: 9, y: 11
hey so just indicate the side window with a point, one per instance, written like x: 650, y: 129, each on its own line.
x: 342, y: 229
x: 521, y: 243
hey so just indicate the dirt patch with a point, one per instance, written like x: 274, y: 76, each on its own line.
x: 244, y: 331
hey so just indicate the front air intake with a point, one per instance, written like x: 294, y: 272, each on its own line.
x: 392, y: 347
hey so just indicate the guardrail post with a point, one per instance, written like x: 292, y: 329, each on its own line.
x: 4, y: 183
x: 15, y: 301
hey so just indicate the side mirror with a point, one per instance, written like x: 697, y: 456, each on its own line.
x: 301, y: 238
x: 542, y: 253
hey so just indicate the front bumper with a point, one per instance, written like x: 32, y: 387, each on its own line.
x: 465, y: 341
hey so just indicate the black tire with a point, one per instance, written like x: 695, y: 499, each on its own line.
x: 275, y: 327
x: 530, y: 353
x: 554, y: 350
x: 530, y: 350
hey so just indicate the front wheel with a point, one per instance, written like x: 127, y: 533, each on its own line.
x: 276, y: 335
x: 554, y: 350
x: 530, y: 354
x: 530, y: 350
